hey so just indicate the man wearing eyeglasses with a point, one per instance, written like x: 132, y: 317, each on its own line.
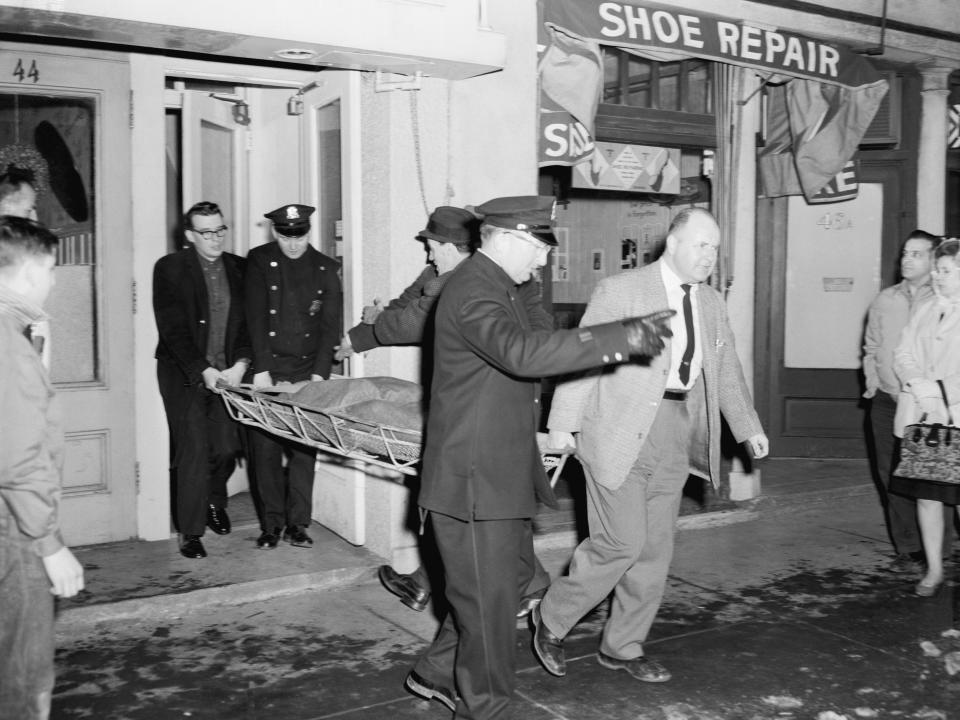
x: 293, y: 302
x: 482, y: 474
x: 198, y: 306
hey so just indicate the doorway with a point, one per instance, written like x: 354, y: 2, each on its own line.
x: 254, y: 147
x: 818, y: 272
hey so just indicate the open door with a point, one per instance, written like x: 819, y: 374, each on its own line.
x: 330, y: 175
x: 213, y: 128
x: 68, y: 115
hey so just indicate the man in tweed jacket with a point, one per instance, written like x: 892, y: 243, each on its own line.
x: 642, y: 428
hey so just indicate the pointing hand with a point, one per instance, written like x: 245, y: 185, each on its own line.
x: 645, y: 334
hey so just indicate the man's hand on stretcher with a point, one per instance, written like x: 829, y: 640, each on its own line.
x: 560, y: 443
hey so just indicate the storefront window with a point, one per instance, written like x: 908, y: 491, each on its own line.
x: 679, y: 86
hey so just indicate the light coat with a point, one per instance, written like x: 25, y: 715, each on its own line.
x: 613, y: 408
x: 929, y: 349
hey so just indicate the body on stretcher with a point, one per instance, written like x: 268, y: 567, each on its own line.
x: 343, y: 431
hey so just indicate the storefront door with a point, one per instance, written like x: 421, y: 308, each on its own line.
x: 810, y: 333
x: 67, y: 117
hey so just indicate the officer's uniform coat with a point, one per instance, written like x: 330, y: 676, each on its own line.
x: 294, y: 327
x: 292, y: 345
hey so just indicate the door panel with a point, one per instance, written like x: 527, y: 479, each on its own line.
x: 214, y: 159
x: 808, y: 376
x: 331, y: 157
x: 69, y: 116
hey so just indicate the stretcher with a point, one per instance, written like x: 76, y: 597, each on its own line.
x: 336, y: 433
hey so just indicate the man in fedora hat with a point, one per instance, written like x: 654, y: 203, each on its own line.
x: 482, y: 474
x: 450, y: 237
x: 293, y: 302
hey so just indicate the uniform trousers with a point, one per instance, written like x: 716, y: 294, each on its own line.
x: 631, y: 541
x: 26, y: 627
x: 285, y: 496
x: 488, y: 565
x: 901, y: 511
x: 204, y: 445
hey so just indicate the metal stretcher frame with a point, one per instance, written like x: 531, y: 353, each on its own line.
x: 339, y: 434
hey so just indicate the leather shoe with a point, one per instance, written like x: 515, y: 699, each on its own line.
x: 297, y: 536
x: 421, y: 687
x: 218, y: 520
x: 642, y: 668
x: 268, y: 539
x: 547, y: 646
x: 191, y: 547
x: 411, y: 594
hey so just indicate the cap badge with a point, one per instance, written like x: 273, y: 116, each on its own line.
x: 292, y: 213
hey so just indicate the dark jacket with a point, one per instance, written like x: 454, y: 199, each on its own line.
x: 181, y: 307
x: 405, y: 320
x: 293, y: 327
x: 480, y: 457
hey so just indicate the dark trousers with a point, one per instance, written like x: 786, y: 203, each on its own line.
x: 488, y: 565
x: 285, y: 496
x: 204, y: 444
x: 901, y: 511
x: 538, y: 583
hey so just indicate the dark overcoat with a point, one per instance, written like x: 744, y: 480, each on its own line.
x: 293, y: 328
x: 491, y: 344
x: 181, y: 307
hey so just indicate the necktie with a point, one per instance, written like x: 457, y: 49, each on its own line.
x: 691, y: 340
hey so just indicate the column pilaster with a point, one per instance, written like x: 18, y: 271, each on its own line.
x: 932, y: 153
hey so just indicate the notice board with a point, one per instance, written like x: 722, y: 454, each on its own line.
x: 833, y: 273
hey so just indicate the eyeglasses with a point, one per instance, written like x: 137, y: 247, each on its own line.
x: 210, y: 234
x: 542, y: 247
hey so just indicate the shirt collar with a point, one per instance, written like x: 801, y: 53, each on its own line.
x: 19, y: 308
x: 210, y: 264
x: 671, y: 280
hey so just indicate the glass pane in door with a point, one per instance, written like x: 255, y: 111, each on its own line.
x: 53, y: 137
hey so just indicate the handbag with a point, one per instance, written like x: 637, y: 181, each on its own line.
x: 931, y: 451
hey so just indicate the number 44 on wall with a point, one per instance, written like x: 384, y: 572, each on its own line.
x: 24, y: 74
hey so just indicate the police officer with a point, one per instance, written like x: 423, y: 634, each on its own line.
x: 293, y: 302
x: 482, y: 472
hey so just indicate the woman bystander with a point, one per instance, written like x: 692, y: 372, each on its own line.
x: 929, y: 351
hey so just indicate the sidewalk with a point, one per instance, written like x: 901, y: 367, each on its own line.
x: 793, y: 611
x: 138, y: 579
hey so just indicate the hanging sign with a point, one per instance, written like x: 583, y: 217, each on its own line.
x: 633, y: 168
x: 564, y: 140
x: 692, y: 33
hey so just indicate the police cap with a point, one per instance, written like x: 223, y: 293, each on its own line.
x: 291, y: 220
x: 535, y: 214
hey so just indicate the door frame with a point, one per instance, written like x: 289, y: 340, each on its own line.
x: 148, y: 77
x: 345, y: 86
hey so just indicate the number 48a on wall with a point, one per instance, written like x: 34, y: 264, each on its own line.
x: 25, y: 74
